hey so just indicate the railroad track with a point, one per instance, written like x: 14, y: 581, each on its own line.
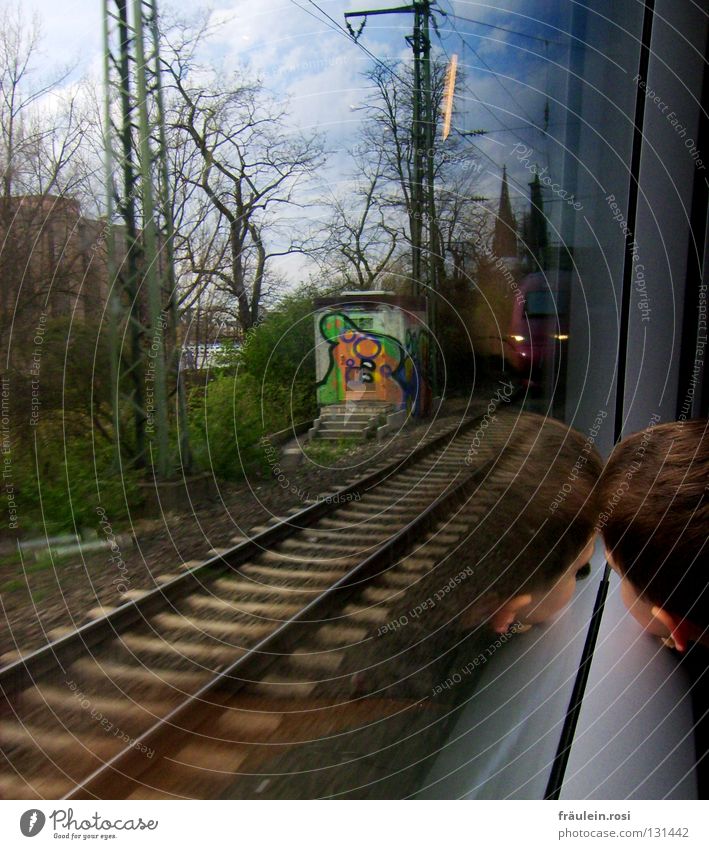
x: 119, y: 707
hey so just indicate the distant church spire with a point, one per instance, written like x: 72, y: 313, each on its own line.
x: 536, y: 238
x: 504, y: 243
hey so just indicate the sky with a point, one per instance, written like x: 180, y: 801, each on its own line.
x: 298, y: 53
x: 509, y: 51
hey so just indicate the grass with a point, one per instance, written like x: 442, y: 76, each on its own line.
x: 41, y: 565
x: 9, y: 560
x: 17, y: 584
x: 44, y: 563
x: 324, y: 452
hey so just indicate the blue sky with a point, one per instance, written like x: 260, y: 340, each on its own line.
x: 319, y: 69
x: 302, y: 57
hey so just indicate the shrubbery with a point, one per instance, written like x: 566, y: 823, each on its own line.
x: 59, y: 479
x: 262, y: 387
x: 57, y: 444
x: 63, y: 468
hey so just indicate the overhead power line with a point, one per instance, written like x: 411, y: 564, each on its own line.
x: 497, y: 26
x: 335, y: 26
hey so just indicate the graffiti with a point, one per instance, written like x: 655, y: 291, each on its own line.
x: 366, y: 365
x: 361, y: 362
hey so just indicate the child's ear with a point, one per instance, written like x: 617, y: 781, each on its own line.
x: 680, y: 630
x: 506, y: 615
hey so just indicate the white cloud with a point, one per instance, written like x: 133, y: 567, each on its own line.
x: 71, y: 30
x: 317, y: 70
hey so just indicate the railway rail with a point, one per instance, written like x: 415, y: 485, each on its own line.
x: 120, y: 707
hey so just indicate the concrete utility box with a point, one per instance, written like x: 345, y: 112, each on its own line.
x: 371, y: 349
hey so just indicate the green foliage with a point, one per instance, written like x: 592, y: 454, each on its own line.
x: 56, y: 472
x: 60, y: 480
x: 74, y: 368
x: 61, y: 475
x: 280, y: 353
x: 325, y: 452
x: 265, y: 386
x: 225, y: 425
x: 225, y: 360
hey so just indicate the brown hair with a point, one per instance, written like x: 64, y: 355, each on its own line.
x: 537, y: 508
x: 655, y: 517
x: 530, y: 515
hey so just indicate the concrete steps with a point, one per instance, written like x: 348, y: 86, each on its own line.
x: 360, y: 421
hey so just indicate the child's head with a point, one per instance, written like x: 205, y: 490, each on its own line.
x: 654, y: 498
x: 534, y: 520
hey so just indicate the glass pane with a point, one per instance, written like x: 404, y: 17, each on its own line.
x: 359, y: 299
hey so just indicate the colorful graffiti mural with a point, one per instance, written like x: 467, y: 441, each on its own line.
x: 366, y: 365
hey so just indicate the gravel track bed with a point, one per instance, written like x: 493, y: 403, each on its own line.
x: 38, y: 598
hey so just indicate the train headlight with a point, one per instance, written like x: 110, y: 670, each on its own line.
x: 562, y: 337
x: 517, y: 338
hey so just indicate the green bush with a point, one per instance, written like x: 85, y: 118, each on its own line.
x: 279, y: 353
x: 225, y: 425
x: 264, y: 386
x: 61, y: 480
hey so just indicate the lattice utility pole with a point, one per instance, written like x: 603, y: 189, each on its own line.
x: 422, y: 136
x: 145, y: 359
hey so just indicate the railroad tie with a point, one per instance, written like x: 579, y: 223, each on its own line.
x: 374, y: 615
x: 63, y: 749
x: 342, y: 526
x: 245, y: 629
x: 60, y: 703
x: 282, y: 558
x: 321, y: 544
x: 273, y: 687
x: 128, y: 675
x: 149, y: 648
x: 394, y: 578
x: 239, y: 726
x: 378, y: 595
x: 316, y: 661
x: 341, y: 635
x: 195, y: 770
x: 265, y: 610
x: 240, y: 588
x: 41, y: 786
x: 327, y: 576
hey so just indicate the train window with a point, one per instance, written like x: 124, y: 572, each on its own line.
x: 638, y: 202
x: 543, y: 304
x: 450, y: 254
x: 522, y: 267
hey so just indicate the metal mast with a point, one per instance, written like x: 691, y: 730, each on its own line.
x: 423, y: 131
x: 140, y: 231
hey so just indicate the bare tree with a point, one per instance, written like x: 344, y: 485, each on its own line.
x: 42, y: 124
x: 371, y: 229
x: 249, y: 169
x: 361, y: 236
